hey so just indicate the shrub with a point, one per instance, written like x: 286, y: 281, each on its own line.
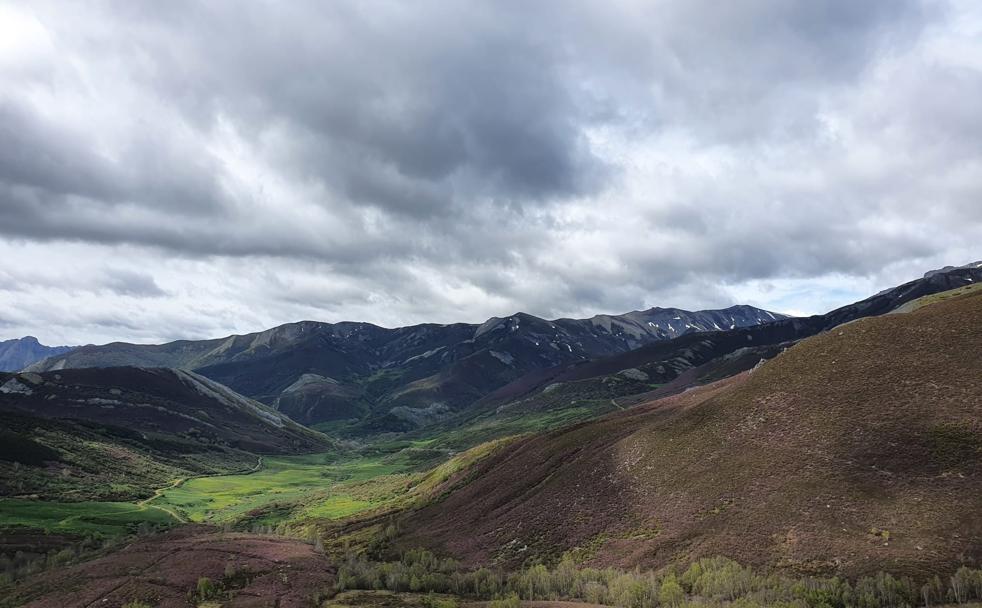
x: 671, y: 593
x: 433, y: 601
x: 206, y: 589
x: 511, y: 601
x: 966, y: 584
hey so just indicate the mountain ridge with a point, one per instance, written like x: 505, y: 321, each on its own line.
x: 376, y: 370
x: 665, y: 361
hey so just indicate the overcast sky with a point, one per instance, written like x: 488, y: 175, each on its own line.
x: 172, y: 169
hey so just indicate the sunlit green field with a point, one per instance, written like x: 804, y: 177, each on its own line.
x: 107, y: 518
x: 285, y: 489
x: 294, y: 486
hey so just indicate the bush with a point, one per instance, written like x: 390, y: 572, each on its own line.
x: 671, y: 593
x: 206, y: 590
x: 966, y: 584
x: 433, y: 601
x: 511, y: 601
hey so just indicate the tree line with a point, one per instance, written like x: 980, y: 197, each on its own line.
x: 711, y: 581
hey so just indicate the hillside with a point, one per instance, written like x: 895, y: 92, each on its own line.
x: 19, y: 353
x: 264, y: 570
x: 398, y: 379
x: 853, y: 451
x: 118, y: 432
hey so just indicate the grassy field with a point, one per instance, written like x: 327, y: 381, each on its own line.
x: 289, y: 488
x: 107, y: 518
x: 286, y: 488
x: 296, y: 489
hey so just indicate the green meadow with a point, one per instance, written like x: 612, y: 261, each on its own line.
x: 291, y: 489
x: 286, y: 488
x: 84, y: 518
x: 294, y: 489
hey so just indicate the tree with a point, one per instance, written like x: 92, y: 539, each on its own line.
x: 671, y: 593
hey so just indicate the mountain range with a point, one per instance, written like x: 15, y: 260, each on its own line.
x: 616, y: 451
x: 696, y: 358
x: 392, y: 379
x: 358, y: 379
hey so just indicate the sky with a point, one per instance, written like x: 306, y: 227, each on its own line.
x: 196, y: 169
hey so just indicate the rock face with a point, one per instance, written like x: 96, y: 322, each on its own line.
x: 320, y: 372
x: 19, y: 353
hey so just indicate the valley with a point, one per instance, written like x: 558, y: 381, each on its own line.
x: 814, y: 453
x: 286, y: 489
x: 490, y: 304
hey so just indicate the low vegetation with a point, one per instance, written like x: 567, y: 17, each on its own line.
x: 59, y: 551
x: 82, y: 518
x: 73, y: 461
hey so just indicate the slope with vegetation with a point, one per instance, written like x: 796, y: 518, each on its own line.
x: 118, y: 433
x: 551, y: 398
x: 857, y: 450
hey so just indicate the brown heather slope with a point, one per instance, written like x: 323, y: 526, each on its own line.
x: 252, y: 571
x: 854, y: 451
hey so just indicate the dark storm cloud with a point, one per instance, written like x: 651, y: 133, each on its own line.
x: 473, y: 95
x: 63, y: 162
x: 420, y: 111
x: 423, y: 160
x: 130, y: 283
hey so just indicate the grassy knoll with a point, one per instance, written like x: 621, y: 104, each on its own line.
x: 85, y: 518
